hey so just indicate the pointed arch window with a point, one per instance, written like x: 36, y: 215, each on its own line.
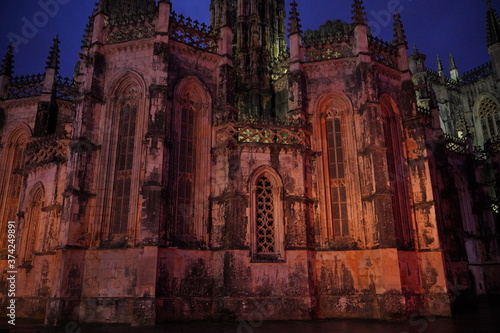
x: 489, y: 115
x: 33, y: 219
x: 266, y: 216
x: 124, y: 162
x: 15, y: 183
x: 189, y: 165
x: 336, y: 170
x: 185, y: 167
x: 119, y: 178
x: 335, y: 138
x: 397, y: 176
x: 14, y: 180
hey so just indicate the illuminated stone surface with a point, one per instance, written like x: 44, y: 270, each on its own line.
x: 197, y: 172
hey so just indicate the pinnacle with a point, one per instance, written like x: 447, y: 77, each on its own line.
x: 8, y: 62
x: 358, y: 12
x: 492, y: 25
x: 399, y: 32
x: 439, y: 64
x: 453, y: 64
x: 53, y: 59
x: 294, y: 25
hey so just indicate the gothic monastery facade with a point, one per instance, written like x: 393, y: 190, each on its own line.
x: 248, y: 169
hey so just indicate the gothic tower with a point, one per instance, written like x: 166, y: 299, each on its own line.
x: 259, y: 40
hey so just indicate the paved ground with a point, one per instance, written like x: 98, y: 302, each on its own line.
x: 478, y: 321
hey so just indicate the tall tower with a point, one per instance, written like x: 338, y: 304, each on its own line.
x: 259, y: 39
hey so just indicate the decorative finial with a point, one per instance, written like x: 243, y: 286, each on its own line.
x: 53, y: 59
x: 453, y: 64
x: 415, y: 50
x: 358, y: 12
x: 440, y: 64
x: 8, y: 62
x: 399, y: 32
x: 294, y: 27
x: 492, y: 25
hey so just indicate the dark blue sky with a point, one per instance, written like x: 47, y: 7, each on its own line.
x: 436, y: 26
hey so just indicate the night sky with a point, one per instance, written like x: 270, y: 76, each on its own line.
x: 436, y: 26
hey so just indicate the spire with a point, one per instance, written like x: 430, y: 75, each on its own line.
x: 8, y: 62
x: 294, y: 27
x: 53, y: 59
x: 440, y: 65
x: 399, y: 32
x: 493, y: 25
x: 358, y: 12
x: 453, y: 64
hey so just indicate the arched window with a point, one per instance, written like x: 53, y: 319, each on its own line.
x: 265, y: 216
x: 189, y: 163
x: 397, y: 174
x: 32, y: 222
x: 185, y: 163
x: 339, y: 189
x: 13, y: 181
x: 120, y: 175
x: 336, y: 171
x: 267, y: 230
x: 124, y: 161
x: 489, y: 116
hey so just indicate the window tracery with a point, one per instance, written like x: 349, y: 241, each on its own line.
x: 265, y: 216
x: 397, y: 175
x: 267, y: 225
x: 16, y: 181
x: 14, y: 160
x: 338, y: 188
x: 189, y: 165
x: 186, y: 165
x: 33, y: 219
x: 336, y: 170
x: 124, y: 162
x: 489, y: 115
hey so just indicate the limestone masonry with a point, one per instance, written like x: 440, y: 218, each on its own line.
x: 248, y: 169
